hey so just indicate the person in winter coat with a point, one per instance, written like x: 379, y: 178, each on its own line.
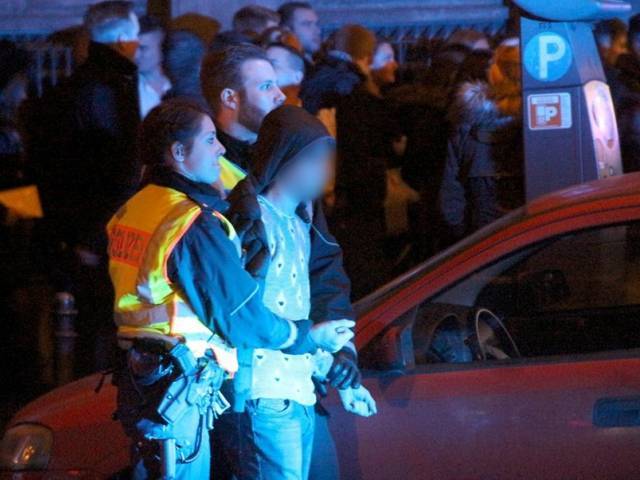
x: 483, y: 177
x: 98, y: 112
x: 340, y: 71
x: 84, y: 146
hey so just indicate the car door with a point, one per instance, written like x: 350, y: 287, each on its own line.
x: 569, y: 408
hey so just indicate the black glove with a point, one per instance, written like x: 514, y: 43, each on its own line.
x: 344, y: 372
x: 321, y: 387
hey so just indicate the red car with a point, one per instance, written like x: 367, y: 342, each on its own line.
x: 514, y: 354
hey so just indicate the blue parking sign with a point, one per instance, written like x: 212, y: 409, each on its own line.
x: 547, y: 57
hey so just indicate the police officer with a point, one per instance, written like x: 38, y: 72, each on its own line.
x: 183, y: 298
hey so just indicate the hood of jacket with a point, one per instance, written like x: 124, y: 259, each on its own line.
x: 474, y: 108
x: 284, y: 134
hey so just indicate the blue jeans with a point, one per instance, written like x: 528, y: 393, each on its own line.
x: 324, y: 461
x: 276, y: 440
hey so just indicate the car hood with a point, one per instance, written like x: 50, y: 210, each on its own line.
x: 77, y: 402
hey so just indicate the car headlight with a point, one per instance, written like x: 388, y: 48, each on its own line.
x: 26, y: 446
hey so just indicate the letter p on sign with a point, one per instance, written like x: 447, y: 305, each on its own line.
x: 552, y: 49
x: 547, y: 56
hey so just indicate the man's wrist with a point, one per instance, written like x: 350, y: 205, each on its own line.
x: 303, y: 342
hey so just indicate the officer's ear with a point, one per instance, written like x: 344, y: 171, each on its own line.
x: 230, y: 99
x: 177, y: 152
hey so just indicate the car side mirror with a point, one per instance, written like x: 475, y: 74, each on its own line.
x: 397, y: 349
x: 393, y: 349
x: 543, y: 288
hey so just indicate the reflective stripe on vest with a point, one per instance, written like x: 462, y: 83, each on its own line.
x: 142, y: 236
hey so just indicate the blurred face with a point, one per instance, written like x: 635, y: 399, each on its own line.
x: 384, y: 65
x: 149, y: 53
x: 618, y: 47
x: 127, y: 43
x: 305, y: 26
x: 610, y: 50
x: 308, y: 175
x: 286, y: 75
x: 201, y: 161
x: 260, y: 94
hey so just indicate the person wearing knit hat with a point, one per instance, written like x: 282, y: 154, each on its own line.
x: 484, y: 171
x: 358, y: 43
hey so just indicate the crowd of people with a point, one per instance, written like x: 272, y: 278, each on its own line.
x: 619, y: 47
x: 323, y: 168
x: 419, y: 146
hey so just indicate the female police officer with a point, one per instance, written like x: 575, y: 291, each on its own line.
x: 183, y: 298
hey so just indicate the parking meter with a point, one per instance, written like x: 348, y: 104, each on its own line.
x: 570, y: 134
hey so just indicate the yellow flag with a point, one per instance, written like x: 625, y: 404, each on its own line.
x: 23, y: 202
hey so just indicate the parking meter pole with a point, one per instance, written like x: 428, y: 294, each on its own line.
x: 570, y: 129
x: 65, y: 315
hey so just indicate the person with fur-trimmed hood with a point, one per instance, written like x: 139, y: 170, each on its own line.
x: 483, y: 177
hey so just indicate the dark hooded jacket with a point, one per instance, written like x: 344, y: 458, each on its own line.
x: 330, y: 80
x: 625, y: 91
x: 284, y: 134
x: 483, y: 177
x: 330, y: 286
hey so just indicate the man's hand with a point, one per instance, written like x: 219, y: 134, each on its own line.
x: 358, y: 401
x: 333, y: 335
x: 344, y: 372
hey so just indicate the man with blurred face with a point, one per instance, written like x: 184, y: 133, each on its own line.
x: 302, y: 20
x: 152, y: 82
x: 241, y: 86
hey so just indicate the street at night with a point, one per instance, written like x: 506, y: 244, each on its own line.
x: 255, y: 240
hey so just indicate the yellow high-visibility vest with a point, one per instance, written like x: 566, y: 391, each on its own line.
x: 230, y: 174
x: 142, y: 235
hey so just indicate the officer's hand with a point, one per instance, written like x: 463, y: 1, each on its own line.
x: 344, y: 372
x: 332, y: 336
x: 358, y: 401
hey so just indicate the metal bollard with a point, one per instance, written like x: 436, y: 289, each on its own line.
x: 168, y: 456
x: 65, y: 315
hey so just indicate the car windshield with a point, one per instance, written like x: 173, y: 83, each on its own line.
x: 370, y: 301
